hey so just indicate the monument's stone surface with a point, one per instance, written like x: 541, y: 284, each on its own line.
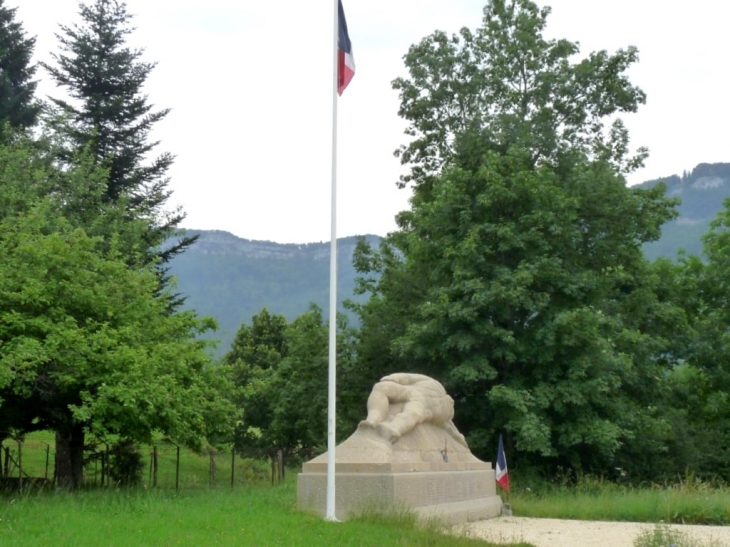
x: 407, y: 453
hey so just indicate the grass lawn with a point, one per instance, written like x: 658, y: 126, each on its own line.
x: 261, y: 515
x: 254, y: 513
x: 38, y: 451
x: 687, y: 502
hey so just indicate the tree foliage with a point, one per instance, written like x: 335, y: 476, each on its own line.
x: 89, y: 341
x: 18, y: 106
x: 506, y: 83
x: 110, y: 118
x: 87, y: 347
x: 280, y: 370
x: 511, y: 273
x: 254, y: 358
x: 700, y: 386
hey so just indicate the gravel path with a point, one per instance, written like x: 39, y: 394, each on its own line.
x: 579, y: 533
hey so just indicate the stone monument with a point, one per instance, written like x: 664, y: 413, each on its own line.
x: 407, y: 453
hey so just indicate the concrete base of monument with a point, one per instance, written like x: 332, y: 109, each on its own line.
x: 426, y: 471
x: 452, y: 497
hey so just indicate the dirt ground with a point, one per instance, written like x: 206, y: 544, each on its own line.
x: 578, y: 533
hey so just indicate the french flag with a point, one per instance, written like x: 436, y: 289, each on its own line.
x: 345, y: 60
x: 500, y: 472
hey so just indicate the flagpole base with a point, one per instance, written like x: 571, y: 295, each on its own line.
x: 506, y: 509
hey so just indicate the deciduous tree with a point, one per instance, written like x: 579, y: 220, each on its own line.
x: 508, y: 278
x: 701, y: 384
x: 87, y: 347
x: 281, y: 372
x: 505, y: 83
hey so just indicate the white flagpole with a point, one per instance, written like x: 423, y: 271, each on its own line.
x: 332, y: 391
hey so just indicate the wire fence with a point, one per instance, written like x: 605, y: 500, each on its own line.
x: 165, y: 465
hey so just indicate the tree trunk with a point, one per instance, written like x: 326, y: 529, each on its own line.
x: 70, y: 457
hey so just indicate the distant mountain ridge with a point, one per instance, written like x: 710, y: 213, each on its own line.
x: 225, y: 243
x: 232, y: 278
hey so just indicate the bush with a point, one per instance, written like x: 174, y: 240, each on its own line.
x: 252, y: 471
x: 126, y: 465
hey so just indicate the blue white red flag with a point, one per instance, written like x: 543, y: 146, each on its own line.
x: 500, y: 471
x: 345, y: 60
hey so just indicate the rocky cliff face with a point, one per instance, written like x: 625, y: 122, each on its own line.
x: 216, y: 242
x: 699, y: 190
x: 702, y: 193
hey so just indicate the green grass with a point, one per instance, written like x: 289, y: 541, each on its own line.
x: 663, y: 536
x: 34, y: 453
x: 687, y: 502
x: 255, y: 514
x: 252, y: 516
x: 194, y: 468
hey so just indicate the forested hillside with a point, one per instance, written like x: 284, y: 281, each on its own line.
x: 232, y: 279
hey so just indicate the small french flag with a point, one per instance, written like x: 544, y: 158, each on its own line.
x: 500, y: 472
x: 345, y: 60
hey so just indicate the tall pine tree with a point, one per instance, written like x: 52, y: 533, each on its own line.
x: 18, y: 106
x: 109, y: 116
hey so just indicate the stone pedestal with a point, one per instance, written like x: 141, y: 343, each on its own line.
x: 426, y: 471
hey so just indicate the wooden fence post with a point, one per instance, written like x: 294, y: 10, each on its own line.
x: 154, y: 466
x: 48, y: 455
x: 149, y: 481
x: 212, y: 477
x: 233, y: 466
x: 20, y: 467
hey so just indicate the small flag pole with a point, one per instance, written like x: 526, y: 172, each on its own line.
x: 332, y: 382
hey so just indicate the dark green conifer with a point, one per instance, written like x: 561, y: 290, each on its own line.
x: 109, y: 116
x: 18, y: 106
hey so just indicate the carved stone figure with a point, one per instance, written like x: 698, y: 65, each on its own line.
x: 423, y: 399
x: 406, y: 453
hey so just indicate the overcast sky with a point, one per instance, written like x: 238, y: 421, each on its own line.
x: 249, y: 85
